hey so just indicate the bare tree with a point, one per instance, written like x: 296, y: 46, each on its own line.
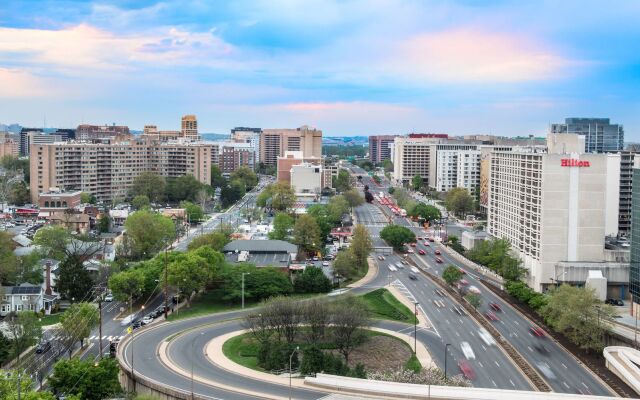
x: 317, y: 316
x: 201, y: 197
x: 350, y: 318
x: 285, y: 316
x: 259, y: 327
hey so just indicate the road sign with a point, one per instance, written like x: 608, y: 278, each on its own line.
x: 129, y: 329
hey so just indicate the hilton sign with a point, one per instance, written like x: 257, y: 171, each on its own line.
x: 572, y: 162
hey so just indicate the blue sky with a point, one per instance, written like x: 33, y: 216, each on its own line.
x: 347, y: 67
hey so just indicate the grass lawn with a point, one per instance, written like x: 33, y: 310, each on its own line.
x: 384, y: 305
x: 50, y: 319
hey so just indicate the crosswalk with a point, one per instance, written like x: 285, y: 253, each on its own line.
x: 104, y: 338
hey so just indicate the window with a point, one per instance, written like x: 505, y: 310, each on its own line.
x: 25, y: 297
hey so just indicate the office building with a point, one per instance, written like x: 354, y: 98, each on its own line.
x: 107, y: 170
x: 600, y: 135
x: 100, y: 132
x: 65, y: 134
x: 35, y: 137
x: 248, y: 135
x: 189, y: 128
x: 306, y: 179
x: 628, y: 161
x: 380, y: 148
x: 411, y: 157
x: 275, y: 142
x: 556, y: 207
x: 291, y: 158
x: 151, y: 132
x: 634, y: 267
x: 24, y: 140
x: 234, y: 155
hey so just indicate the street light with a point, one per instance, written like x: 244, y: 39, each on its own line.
x: 243, y: 274
x: 290, y: 362
x: 446, y: 347
x: 415, y: 328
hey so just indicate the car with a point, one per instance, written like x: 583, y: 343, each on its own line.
x: 419, y: 238
x: 399, y: 265
x: 486, y: 337
x: 432, y: 240
x: 491, y: 316
x: 463, y: 282
x: 546, y: 370
x: 127, y: 320
x: 43, y: 347
x: 405, y: 262
x: 108, y: 298
x: 439, y: 260
x: 415, y: 270
x: 463, y: 272
x: 536, y: 331
x: 467, y: 351
x: 413, y: 276
x: 614, y: 302
x: 392, y: 268
x: 315, y: 259
x: 467, y: 371
x: 410, y: 251
x: 474, y: 289
x: 325, y: 263
x: 436, y: 252
x: 426, y: 243
x: 412, y: 244
x: 495, y: 306
x: 541, y: 348
x: 421, y: 252
x: 146, y: 320
x: 381, y: 257
x: 136, y: 324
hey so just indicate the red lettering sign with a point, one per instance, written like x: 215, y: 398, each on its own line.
x: 572, y: 162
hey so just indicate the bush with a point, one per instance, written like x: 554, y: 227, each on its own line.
x: 312, y: 361
x: 312, y: 280
x: 275, y: 356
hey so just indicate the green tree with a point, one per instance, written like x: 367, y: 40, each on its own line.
x: 19, y: 193
x: 148, y: 232
x: 104, y: 223
x: 387, y: 165
x: 85, y: 379
x: 416, y: 182
x: 579, y: 315
x: 260, y: 283
x: 53, y: 241
x: 306, y: 234
x: 8, y: 260
x: 127, y: 285
x: 336, y: 208
x: 194, y: 212
x: 9, y: 387
x: 342, y: 182
x: 282, y: 224
x: 474, y: 299
x: 88, y: 198
x: 24, y: 330
x: 5, y: 348
x: 184, y: 187
x: 361, y: 245
x: 397, y: 236
x: 427, y: 212
x: 150, y: 185
x: 283, y: 196
x: 451, y: 275
x: 232, y: 192
x: 495, y: 255
x: 345, y: 265
x: 217, y: 180
x: 192, y: 272
x: 459, y: 201
x: 73, y: 280
x: 353, y: 197
x: 321, y: 214
x: 312, y: 280
x: 454, y: 243
x: 78, y: 321
x: 216, y: 240
x: 246, y: 175
x: 140, y: 201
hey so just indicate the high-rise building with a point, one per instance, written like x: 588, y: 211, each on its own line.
x: 380, y: 148
x: 600, y: 135
x: 248, y: 135
x: 65, y: 134
x: 275, y: 142
x: 24, y: 139
x: 233, y: 155
x: 556, y: 207
x: 99, y: 132
x: 628, y: 162
x: 107, y: 170
x: 411, y: 157
x: 634, y: 267
x: 35, y: 137
x: 190, y: 127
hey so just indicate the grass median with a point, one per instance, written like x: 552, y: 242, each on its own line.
x: 384, y: 305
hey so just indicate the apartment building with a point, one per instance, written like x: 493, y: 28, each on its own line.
x: 601, y: 136
x: 9, y: 147
x: 151, y: 132
x: 556, y: 207
x: 411, y: 157
x: 189, y: 127
x: 107, y: 170
x: 628, y: 162
x: 275, y: 142
x: 98, y: 132
x: 243, y: 134
x: 380, y: 148
x: 234, y: 155
x: 454, y: 165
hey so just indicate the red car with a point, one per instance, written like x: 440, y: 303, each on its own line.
x: 439, y: 260
x: 412, y: 245
x: 463, y: 272
x: 495, y: 306
x: 536, y: 331
x: 491, y: 316
x: 431, y: 240
x: 467, y: 371
x: 419, y: 238
x: 463, y: 282
x: 436, y: 252
x: 421, y: 252
x: 426, y: 243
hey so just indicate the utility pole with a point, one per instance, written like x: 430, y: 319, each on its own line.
x: 100, y: 324
x: 166, y: 286
x: 446, y: 347
x: 415, y: 329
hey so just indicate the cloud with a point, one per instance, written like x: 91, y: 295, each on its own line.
x: 22, y: 84
x: 477, y: 56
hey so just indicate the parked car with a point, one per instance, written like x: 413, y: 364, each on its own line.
x: 614, y: 302
x: 146, y: 320
x: 381, y: 257
x: 108, y: 297
x: 43, y: 347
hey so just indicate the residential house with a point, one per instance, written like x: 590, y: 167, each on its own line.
x: 25, y: 297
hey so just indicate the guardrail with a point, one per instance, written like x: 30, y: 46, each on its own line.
x: 538, y: 382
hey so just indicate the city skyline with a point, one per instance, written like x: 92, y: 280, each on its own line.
x: 350, y: 69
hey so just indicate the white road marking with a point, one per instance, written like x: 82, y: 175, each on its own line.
x: 497, y: 364
x: 583, y: 384
x: 512, y: 384
x: 484, y: 348
x: 565, y: 385
x: 494, y: 383
x: 480, y: 364
x: 516, y: 322
x: 564, y: 366
x: 530, y: 349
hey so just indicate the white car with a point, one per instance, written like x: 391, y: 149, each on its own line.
x: 127, y: 320
x: 147, y: 320
x: 473, y: 289
x: 392, y: 268
x: 108, y: 297
x: 486, y: 337
x: 325, y: 263
x: 414, y: 270
x: 467, y: 351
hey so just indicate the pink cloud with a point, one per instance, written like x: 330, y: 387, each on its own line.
x: 21, y: 84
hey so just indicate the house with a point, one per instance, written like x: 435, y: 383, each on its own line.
x: 262, y: 253
x: 25, y: 297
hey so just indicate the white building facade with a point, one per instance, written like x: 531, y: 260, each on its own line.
x: 306, y: 179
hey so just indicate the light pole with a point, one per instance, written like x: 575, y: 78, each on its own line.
x: 415, y: 328
x: 100, y: 323
x: 243, y: 274
x: 446, y: 347
x: 133, y: 338
x: 290, y: 367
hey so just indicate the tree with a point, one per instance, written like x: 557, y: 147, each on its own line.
x: 387, y: 165
x: 342, y: 182
x: 260, y: 283
x: 19, y: 193
x: 459, y: 201
x: 185, y: 187
x: 416, y: 182
x: 85, y: 379
x: 282, y: 224
x: 53, y: 241
x: 24, y: 329
x: 5, y: 348
x: 246, y: 175
x: 321, y: 214
x: 427, y: 212
x: 312, y: 280
x: 232, y: 192
x: 88, y: 198
x: 217, y: 180
x: 148, y: 233
x: 9, y: 387
x: 191, y: 273
x: 474, y: 299
x: 451, y: 275
x: 104, y: 223
x: 216, y: 240
x: 361, y: 245
x: 397, y: 236
x: 336, y: 208
x: 283, y: 196
x: 194, y: 212
x: 78, y: 321
x: 317, y: 315
x: 454, y: 243
x: 353, y: 197
x: 8, y: 260
x: 73, y: 281
x: 349, y: 320
x: 306, y: 234
x: 345, y: 265
x: 140, y: 201
x: 127, y: 285
x: 150, y: 185
x: 579, y: 315
x: 495, y: 255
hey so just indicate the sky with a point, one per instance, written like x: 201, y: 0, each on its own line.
x: 358, y: 67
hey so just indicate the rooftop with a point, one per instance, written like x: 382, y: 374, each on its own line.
x: 261, y: 246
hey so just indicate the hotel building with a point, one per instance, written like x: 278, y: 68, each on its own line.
x: 275, y: 142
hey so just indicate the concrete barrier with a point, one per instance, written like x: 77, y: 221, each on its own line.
x: 623, y: 361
